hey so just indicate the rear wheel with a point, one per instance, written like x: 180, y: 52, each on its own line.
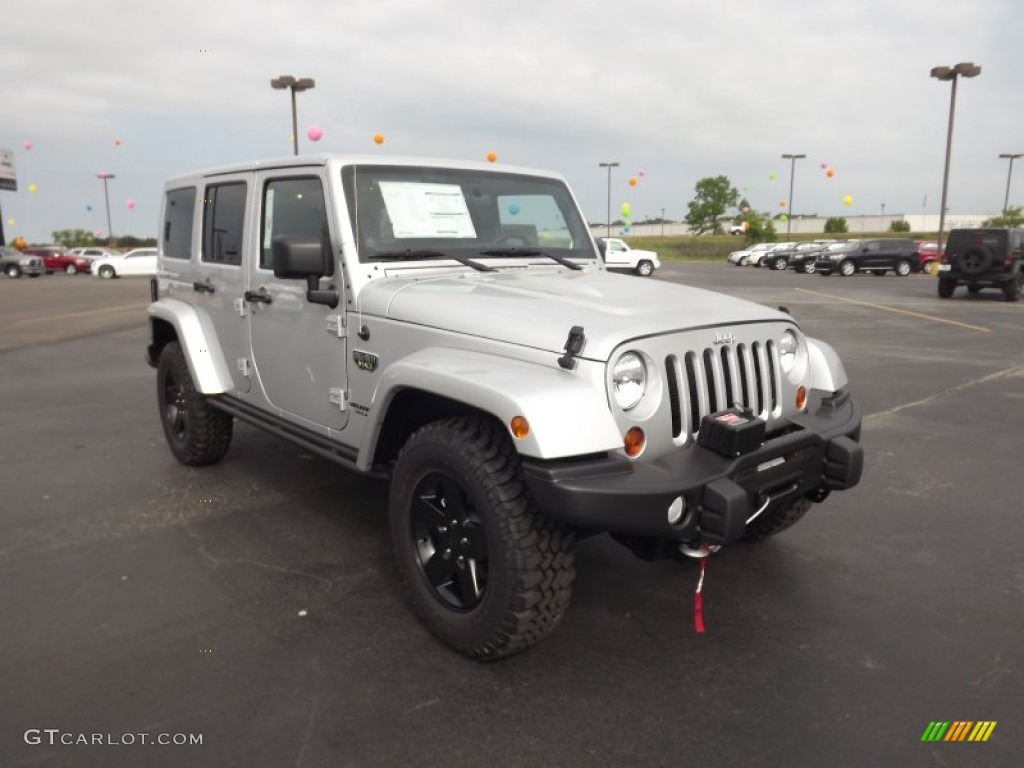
x: 809, y: 268
x: 903, y: 268
x: 484, y: 570
x: 107, y: 272
x: 847, y: 268
x: 1013, y: 288
x: 780, y: 263
x: 70, y: 269
x: 196, y: 432
x: 946, y: 288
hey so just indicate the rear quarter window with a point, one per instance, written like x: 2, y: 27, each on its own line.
x: 179, y: 212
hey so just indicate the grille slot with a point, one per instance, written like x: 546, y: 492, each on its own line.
x: 704, y: 382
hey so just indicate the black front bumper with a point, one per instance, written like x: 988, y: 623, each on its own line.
x: 818, y: 455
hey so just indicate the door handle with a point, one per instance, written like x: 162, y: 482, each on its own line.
x: 205, y: 287
x: 259, y: 297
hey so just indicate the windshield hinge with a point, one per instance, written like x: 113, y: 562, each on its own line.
x: 573, y: 347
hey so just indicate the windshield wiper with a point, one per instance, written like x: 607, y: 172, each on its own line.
x: 423, y: 253
x: 530, y: 252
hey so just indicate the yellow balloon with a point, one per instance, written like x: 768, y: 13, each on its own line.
x: 10, y: 222
x: 32, y: 187
x: 847, y: 200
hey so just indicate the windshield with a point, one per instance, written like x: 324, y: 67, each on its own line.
x: 962, y: 239
x: 409, y: 212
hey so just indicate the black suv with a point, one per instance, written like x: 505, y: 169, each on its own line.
x: 983, y: 258
x: 877, y: 255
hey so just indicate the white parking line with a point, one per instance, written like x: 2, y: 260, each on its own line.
x: 883, y: 307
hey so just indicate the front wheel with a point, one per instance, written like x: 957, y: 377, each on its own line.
x: 847, y: 268
x: 903, y: 268
x: 780, y: 264
x: 13, y: 271
x: 809, y: 268
x: 484, y: 570
x: 70, y: 269
x: 645, y: 268
x: 196, y: 432
x: 107, y: 272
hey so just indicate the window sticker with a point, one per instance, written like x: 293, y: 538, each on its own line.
x: 427, y: 210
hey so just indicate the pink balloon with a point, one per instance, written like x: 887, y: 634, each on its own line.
x: 641, y: 172
x: 130, y: 203
x: 824, y: 164
x: 314, y: 133
x: 27, y: 144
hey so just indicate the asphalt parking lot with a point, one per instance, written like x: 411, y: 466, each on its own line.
x: 254, y: 602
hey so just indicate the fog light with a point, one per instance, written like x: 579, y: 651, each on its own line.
x: 801, y: 398
x: 520, y: 427
x: 676, y: 510
x: 634, y: 442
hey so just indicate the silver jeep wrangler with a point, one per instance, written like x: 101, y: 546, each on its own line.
x: 451, y: 326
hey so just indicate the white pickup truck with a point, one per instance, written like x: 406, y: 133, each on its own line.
x: 619, y: 256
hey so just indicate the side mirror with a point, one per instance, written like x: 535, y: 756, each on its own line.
x: 304, y: 256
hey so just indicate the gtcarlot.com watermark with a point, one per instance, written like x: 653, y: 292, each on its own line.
x: 55, y: 736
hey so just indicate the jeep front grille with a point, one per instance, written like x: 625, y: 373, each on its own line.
x: 745, y: 376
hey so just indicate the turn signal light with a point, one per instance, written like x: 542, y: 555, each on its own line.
x: 634, y: 442
x: 520, y: 427
x: 801, y: 398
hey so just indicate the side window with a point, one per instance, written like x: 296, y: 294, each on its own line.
x: 223, y: 220
x: 179, y: 211
x: 293, y: 206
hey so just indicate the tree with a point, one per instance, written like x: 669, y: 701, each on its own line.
x: 760, y: 228
x: 714, y: 196
x: 73, y: 238
x: 836, y: 225
x: 1013, y: 218
x: 900, y: 225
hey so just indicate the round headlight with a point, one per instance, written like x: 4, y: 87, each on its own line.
x: 629, y: 380
x: 788, y: 346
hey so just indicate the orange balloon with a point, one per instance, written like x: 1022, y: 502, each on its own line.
x: 378, y: 138
x: 830, y: 173
x: 632, y: 181
x: 492, y: 157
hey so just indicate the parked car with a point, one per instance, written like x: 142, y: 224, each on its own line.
x: 141, y: 261
x: 738, y: 229
x: 983, y: 258
x: 876, y: 255
x: 779, y: 258
x: 618, y: 256
x: 56, y: 259
x: 761, y: 258
x: 14, y: 263
x: 929, y: 250
x: 92, y: 253
x: 742, y: 258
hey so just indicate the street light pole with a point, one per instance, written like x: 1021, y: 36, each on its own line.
x: 963, y: 69
x: 608, y: 211
x: 106, y: 198
x: 293, y: 84
x: 662, y: 222
x: 792, y: 171
x: 1009, y: 175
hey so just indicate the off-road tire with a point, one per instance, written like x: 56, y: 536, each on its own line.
x: 1013, y: 287
x: 847, y: 268
x: 776, y: 521
x: 903, y: 268
x: 645, y: 268
x: 946, y: 288
x: 976, y: 260
x: 13, y: 271
x: 107, y: 272
x: 469, y: 468
x: 197, y: 433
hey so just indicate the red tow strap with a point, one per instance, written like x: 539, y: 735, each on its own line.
x: 698, y: 602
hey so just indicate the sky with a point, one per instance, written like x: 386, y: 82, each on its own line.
x: 676, y: 89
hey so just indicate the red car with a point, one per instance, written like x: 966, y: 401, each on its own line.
x: 929, y: 250
x: 56, y: 259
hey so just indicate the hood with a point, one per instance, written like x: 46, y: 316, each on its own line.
x: 536, y: 308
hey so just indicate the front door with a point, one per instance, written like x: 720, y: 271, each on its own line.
x: 298, y: 348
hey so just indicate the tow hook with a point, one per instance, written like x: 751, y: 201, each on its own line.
x: 698, y: 551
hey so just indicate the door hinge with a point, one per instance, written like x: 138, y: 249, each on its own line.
x: 245, y: 366
x: 240, y: 307
x: 338, y: 397
x: 336, y: 324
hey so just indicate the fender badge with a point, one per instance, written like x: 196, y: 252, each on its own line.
x: 365, y: 361
x: 724, y: 338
